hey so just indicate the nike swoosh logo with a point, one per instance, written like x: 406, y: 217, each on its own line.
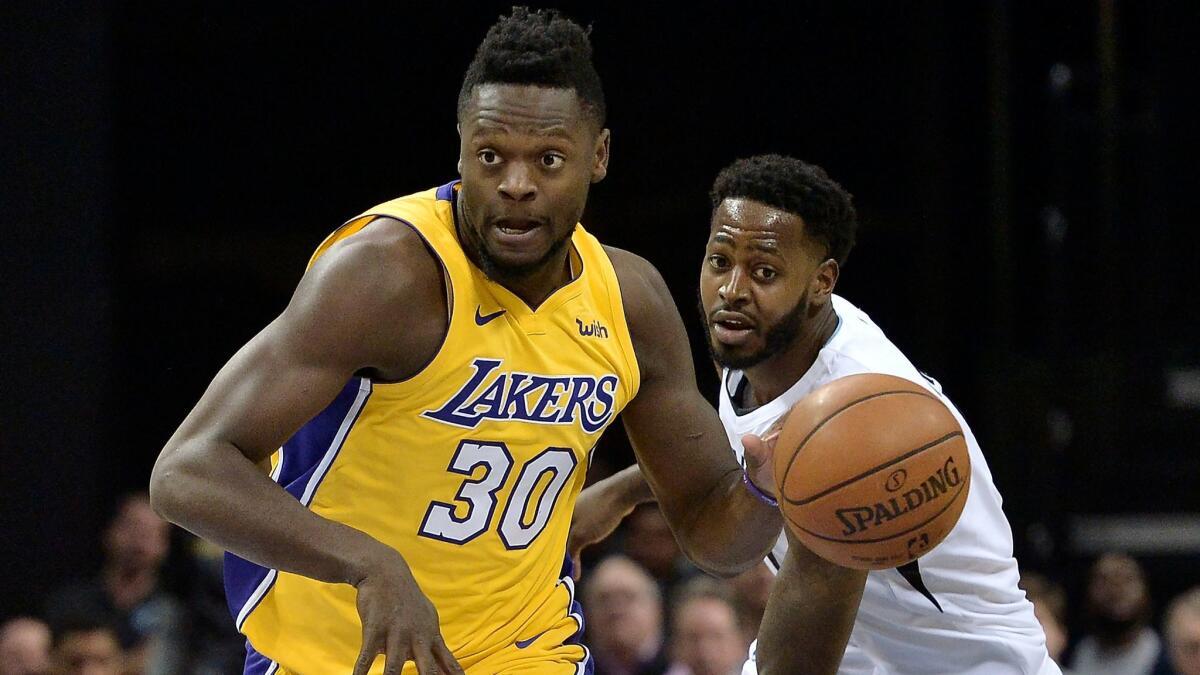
x: 522, y: 644
x: 482, y: 319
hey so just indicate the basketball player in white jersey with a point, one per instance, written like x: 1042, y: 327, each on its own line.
x: 780, y: 231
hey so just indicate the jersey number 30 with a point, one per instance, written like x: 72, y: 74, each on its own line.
x: 479, y: 494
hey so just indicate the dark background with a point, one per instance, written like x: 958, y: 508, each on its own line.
x: 1025, y: 174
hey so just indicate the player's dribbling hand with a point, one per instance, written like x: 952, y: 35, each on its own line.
x: 399, y: 621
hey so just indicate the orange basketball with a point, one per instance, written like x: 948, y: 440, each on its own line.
x: 872, y: 471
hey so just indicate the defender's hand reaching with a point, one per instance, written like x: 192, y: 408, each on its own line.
x: 760, y: 457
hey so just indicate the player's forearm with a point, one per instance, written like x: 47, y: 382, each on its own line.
x: 625, y: 489
x: 213, y: 491
x: 729, y: 530
x: 809, y: 616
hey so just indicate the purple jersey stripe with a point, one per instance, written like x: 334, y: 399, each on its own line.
x: 257, y: 664
x: 311, y: 450
x: 576, y: 609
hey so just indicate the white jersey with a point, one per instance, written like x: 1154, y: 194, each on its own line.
x: 958, y: 608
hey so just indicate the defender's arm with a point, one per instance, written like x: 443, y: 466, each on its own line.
x: 809, y: 615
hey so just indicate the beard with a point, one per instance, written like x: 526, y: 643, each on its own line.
x: 1113, y: 631
x: 477, y: 249
x: 777, y: 338
x: 497, y: 270
x: 1110, y: 629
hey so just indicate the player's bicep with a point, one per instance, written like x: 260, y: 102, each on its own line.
x: 675, y: 432
x: 342, y: 319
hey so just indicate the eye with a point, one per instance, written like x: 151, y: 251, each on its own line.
x: 552, y: 160
x: 765, y: 273
x: 718, y: 261
x: 488, y: 157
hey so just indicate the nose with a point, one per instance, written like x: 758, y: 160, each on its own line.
x: 517, y: 183
x: 735, y: 290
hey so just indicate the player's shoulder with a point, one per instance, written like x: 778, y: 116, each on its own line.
x: 657, y: 334
x: 633, y: 267
x: 860, y: 346
x: 384, y: 259
x: 376, y: 296
x: 643, y: 290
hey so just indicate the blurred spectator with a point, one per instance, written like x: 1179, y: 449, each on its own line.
x: 85, y: 643
x: 216, y: 646
x: 24, y: 647
x: 649, y: 542
x: 751, y: 590
x: 1050, y: 607
x: 706, y: 638
x: 1182, y: 627
x: 149, y: 623
x: 1121, y: 641
x: 624, y: 617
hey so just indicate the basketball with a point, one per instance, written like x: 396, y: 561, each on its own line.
x: 872, y: 471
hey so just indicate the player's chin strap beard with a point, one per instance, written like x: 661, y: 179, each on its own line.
x: 472, y: 243
x: 468, y: 237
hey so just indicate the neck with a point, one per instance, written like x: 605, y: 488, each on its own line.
x: 127, y: 586
x: 629, y: 657
x: 536, y: 286
x: 1122, y: 639
x: 769, y: 379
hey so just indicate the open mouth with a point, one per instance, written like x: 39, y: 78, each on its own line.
x: 516, y: 231
x: 731, y: 328
x: 515, y: 226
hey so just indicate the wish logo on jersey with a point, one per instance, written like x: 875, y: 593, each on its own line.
x: 493, y: 394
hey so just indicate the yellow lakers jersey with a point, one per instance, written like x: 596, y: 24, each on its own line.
x: 470, y: 469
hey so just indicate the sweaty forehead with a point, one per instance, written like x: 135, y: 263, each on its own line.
x: 530, y: 109
x: 745, y: 222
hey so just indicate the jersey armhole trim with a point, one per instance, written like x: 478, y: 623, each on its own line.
x: 617, y: 307
x: 451, y: 307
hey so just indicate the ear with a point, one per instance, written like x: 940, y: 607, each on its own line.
x: 824, y: 281
x: 458, y: 130
x: 600, y: 163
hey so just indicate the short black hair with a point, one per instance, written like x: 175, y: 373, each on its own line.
x: 797, y: 187
x: 541, y: 48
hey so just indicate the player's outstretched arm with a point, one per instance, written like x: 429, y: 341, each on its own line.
x: 809, y: 616
x: 678, y: 439
x: 210, y: 477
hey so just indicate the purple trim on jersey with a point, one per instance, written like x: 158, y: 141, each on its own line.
x: 302, y: 454
x: 304, y: 451
x: 568, y: 566
x: 256, y: 664
x: 576, y: 608
x: 576, y: 638
x: 446, y: 192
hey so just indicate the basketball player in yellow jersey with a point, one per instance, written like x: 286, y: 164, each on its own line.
x: 393, y: 462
